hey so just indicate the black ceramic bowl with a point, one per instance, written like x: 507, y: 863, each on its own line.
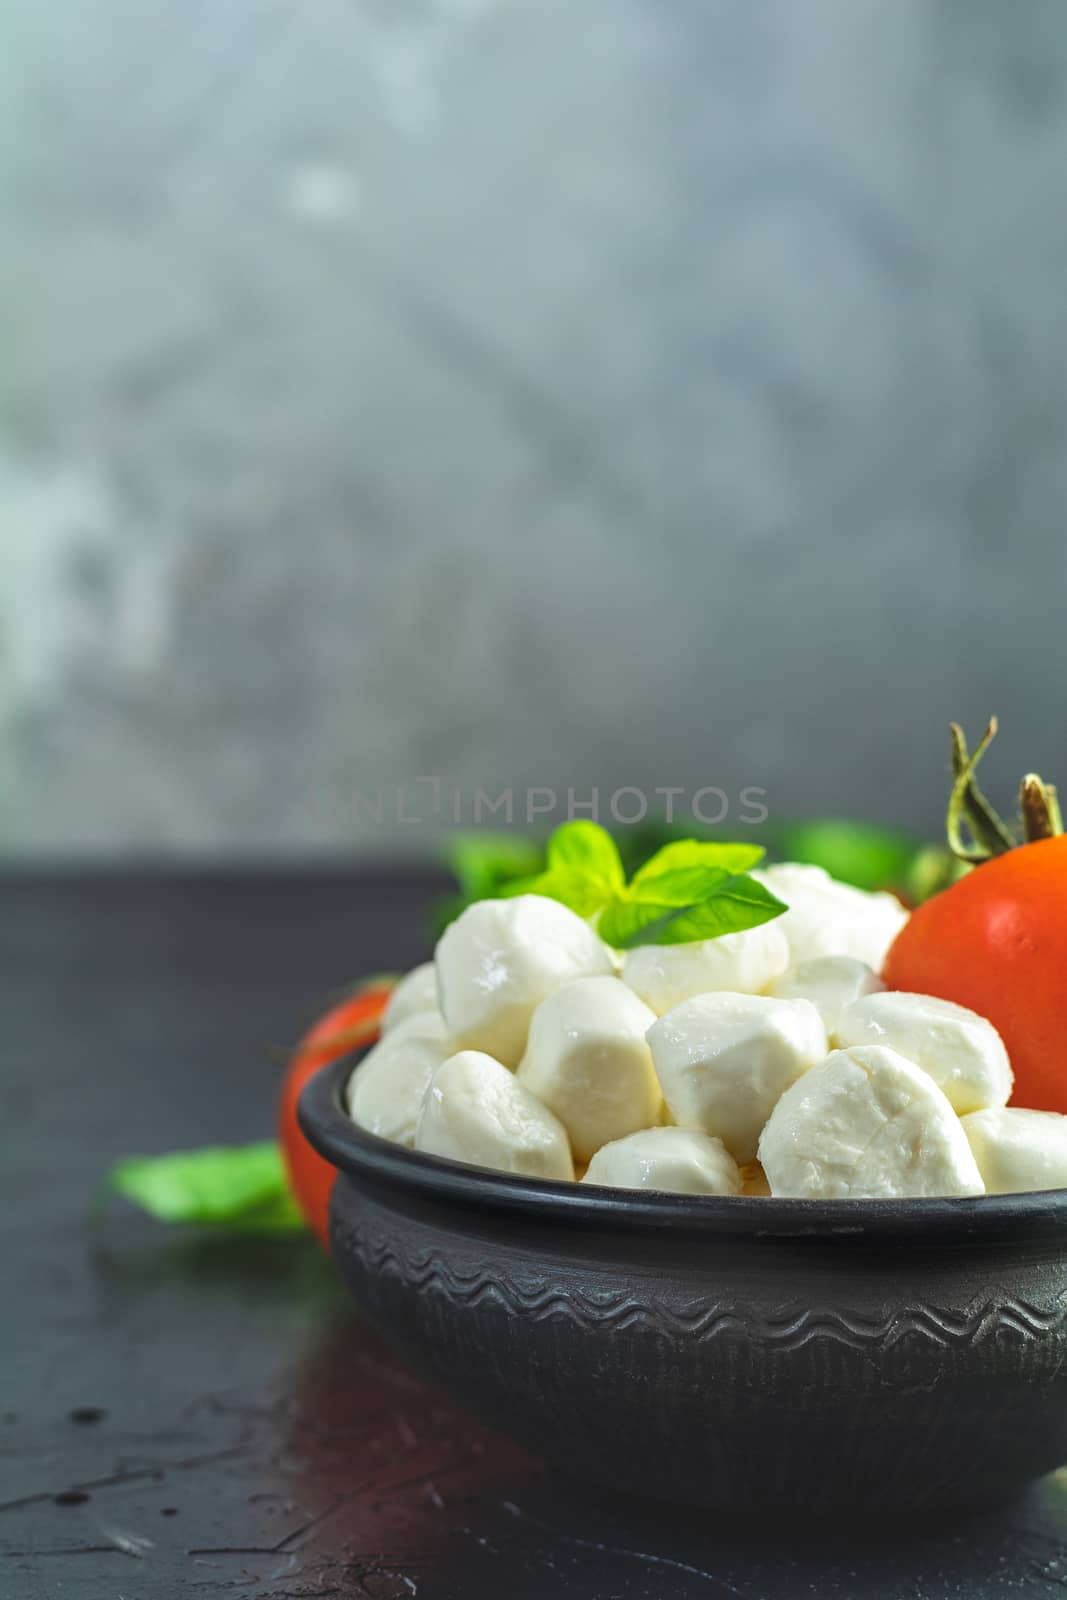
x: 729, y: 1352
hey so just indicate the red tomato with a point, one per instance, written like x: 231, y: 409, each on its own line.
x: 996, y: 941
x: 351, y: 1024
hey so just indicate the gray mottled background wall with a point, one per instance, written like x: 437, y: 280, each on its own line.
x: 522, y: 392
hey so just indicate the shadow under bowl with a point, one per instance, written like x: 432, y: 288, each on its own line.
x: 738, y: 1353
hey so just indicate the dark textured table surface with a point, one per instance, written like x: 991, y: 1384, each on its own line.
x: 186, y: 1415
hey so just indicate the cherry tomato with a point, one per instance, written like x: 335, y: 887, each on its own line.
x: 996, y: 941
x: 354, y: 1022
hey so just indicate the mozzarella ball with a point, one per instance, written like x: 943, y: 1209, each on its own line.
x: 865, y: 1123
x: 588, y: 1060
x: 416, y: 991
x: 830, y: 982
x: 962, y: 1052
x: 475, y: 1110
x: 1018, y: 1151
x: 744, y: 963
x: 827, y: 918
x: 723, y: 1060
x: 677, y: 1160
x: 500, y: 959
x: 386, y: 1090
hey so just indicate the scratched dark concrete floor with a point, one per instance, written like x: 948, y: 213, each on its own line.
x: 186, y: 1416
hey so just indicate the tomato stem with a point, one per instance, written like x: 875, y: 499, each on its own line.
x: 1039, y: 805
x: 968, y: 807
x: 975, y: 831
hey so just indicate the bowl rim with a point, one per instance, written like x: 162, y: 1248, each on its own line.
x: 360, y: 1154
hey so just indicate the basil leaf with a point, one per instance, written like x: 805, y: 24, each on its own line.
x: 742, y: 903
x: 691, y: 870
x: 738, y: 903
x: 586, y: 849
x: 735, y: 858
x: 624, y: 922
x: 240, y: 1187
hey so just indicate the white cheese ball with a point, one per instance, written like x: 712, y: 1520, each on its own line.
x: 676, y: 1160
x: 827, y: 918
x: 416, y: 992
x: 386, y: 1090
x: 962, y: 1052
x: 500, y: 959
x: 475, y: 1110
x: 1018, y: 1151
x: 866, y: 1124
x: 723, y: 1060
x: 830, y: 982
x: 588, y: 1060
x: 742, y: 963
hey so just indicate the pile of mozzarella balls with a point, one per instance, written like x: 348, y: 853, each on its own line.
x: 769, y: 1062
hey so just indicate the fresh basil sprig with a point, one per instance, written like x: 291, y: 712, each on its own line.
x: 691, y: 889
